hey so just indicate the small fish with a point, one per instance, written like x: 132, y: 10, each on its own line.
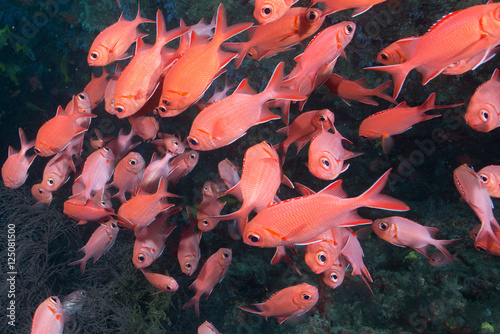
x: 287, y: 303
x: 182, y: 165
x: 188, y: 252
x: 73, y: 303
x: 208, y: 213
x: 320, y: 256
x: 387, y: 123
x: 483, y: 111
x: 490, y: 178
x: 334, y: 276
x: 109, y: 91
x: 357, y: 90
x: 99, y: 242
x: 128, y: 173
x: 403, y: 232
x: 164, y: 283
x: 146, y: 127
x: 97, y: 208
x: 212, y: 272
x: 113, y: 42
x: 353, y: 253
x: 49, y: 317
x: 122, y: 144
x: 15, y: 168
x: 96, y: 88
x: 267, y: 11
x: 438, y: 259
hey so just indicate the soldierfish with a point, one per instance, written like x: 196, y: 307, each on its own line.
x: 212, y: 272
x: 490, y: 178
x: 207, y: 328
x: 96, y: 87
x: 300, y: 220
x: 287, y: 303
x: 224, y: 122
x: 188, y: 252
x: 100, y: 241
x: 267, y: 11
x: 403, y: 232
x: 128, y: 173
x: 192, y: 74
x: 384, y: 124
x: 334, y: 276
x: 49, y: 317
x: 164, y: 283
x: 15, y: 168
x: 483, y: 111
x: 113, y: 42
x: 458, y: 35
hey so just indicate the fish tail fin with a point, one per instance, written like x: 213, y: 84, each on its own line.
x: 374, y: 199
x: 163, y: 36
x: 440, y: 244
x: 380, y: 91
x: 275, y: 91
x: 222, y: 31
x: 487, y: 240
x: 398, y: 73
x: 194, y: 301
x: 240, y: 48
x: 82, y: 263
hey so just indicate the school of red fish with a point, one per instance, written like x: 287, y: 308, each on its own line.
x: 162, y: 82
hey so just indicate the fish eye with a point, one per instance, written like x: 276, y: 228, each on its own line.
x: 266, y: 10
x: 166, y: 102
x: 254, y: 238
x: 168, y: 287
x: 188, y: 266
x: 322, y: 118
x: 94, y: 55
x: 383, y: 225
x: 250, y: 54
x: 349, y: 29
x: 175, y: 143
x: 106, y: 149
x: 103, y: 203
x: 363, y: 137
x: 481, y: 249
x: 225, y: 255
x: 119, y: 110
x: 132, y: 162
x: 204, y: 222
x: 193, y: 141
x: 192, y: 156
x: 141, y: 258
x: 484, y: 115
x: 384, y: 56
x: 113, y: 225
x: 469, y: 166
x: 112, y: 103
x: 81, y: 97
x: 334, y: 277
x: 40, y: 191
x: 305, y: 296
x: 325, y: 163
x: 322, y: 257
x: 312, y: 16
x: 484, y: 178
x: 162, y: 109
x: 37, y: 150
x: 53, y: 299
x: 50, y: 181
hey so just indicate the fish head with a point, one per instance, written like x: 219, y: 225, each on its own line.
x: 385, y: 229
x: 173, y: 144
x: 490, y: 22
x: 189, y: 264
x: 169, y: 284
x: 43, y: 149
x: 490, y: 178
x: 40, y: 194
x: 482, y: 117
x: 256, y: 53
x: 318, y: 257
x: 323, y: 119
x: 125, y: 106
x: 324, y: 165
x: 260, y: 236
x: 306, y: 296
x: 143, y: 257
x: 135, y: 163
x: 201, y: 140
x: 269, y: 11
x: 173, y: 103
x: 206, y: 223
x: 98, y: 56
x: 83, y: 102
x: 392, y: 55
x: 334, y: 276
x: 225, y: 257
x: 345, y: 33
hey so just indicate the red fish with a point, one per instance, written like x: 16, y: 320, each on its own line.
x: 164, y: 283
x: 384, y: 124
x: 301, y: 219
x: 224, y: 122
x: 490, y: 178
x: 97, y: 208
x: 187, y: 80
x: 403, y: 232
x: 267, y: 11
x: 332, y: 6
x: 357, y: 90
x: 145, y: 126
x: 182, y: 165
x: 113, y: 42
x: 109, y: 92
x: 334, y: 276
x: 287, y: 303
x: 49, y: 317
x: 150, y: 240
x: 101, y: 240
x: 483, y: 111
x: 207, y: 328
x: 320, y: 256
x: 188, y: 252
x: 15, y: 168
x: 128, y: 173
x: 439, y: 259
x: 212, y: 272
x: 96, y: 88
x: 459, y: 35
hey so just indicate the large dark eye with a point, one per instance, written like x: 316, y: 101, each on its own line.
x: 193, y: 141
x: 484, y: 115
x: 312, y: 16
x: 168, y: 287
x: 188, y: 266
x: 113, y: 225
x: 322, y: 118
x: 204, y: 222
x: 94, y: 55
x: 266, y: 11
x: 322, y: 257
x: 166, y: 102
x: 132, y: 162
x: 40, y: 191
x: 106, y: 149
x: 383, y: 225
x: 306, y: 296
x: 50, y: 181
x: 325, y: 162
x: 141, y: 258
x: 384, y: 56
x: 470, y: 166
x: 363, y: 137
x: 81, y: 97
x: 37, y: 150
x: 53, y: 299
x: 334, y: 277
x: 119, y: 110
x: 225, y: 255
x: 481, y: 249
x: 349, y: 29
x: 192, y: 156
x: 484, y: 178
x: 254, y: 238
x: 175, y: 143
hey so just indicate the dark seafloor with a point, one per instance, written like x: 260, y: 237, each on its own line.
x: 43, y: 49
